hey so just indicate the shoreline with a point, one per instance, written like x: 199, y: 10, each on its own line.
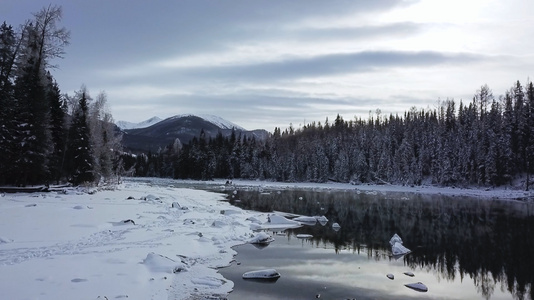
x: 504, y: 193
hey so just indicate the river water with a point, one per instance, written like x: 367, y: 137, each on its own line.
x: 462, y: 248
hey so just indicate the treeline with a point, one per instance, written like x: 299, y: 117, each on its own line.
x: 47, y: 137
x: 486, y: 142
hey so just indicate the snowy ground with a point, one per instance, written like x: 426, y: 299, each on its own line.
x: 77, y: 245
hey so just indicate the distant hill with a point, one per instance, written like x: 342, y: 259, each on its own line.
x: 129, y: 125
x: 183, y: 127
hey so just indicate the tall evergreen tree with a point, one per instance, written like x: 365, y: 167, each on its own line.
x: 82, y: 168
x: 57, y: 129
x: 32, y: 135
x: 7, y: 125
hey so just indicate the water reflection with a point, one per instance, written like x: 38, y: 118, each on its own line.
x: 488, y: 240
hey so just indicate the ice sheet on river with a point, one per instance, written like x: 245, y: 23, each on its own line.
x: 275, y: 221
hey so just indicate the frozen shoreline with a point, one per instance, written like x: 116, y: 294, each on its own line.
x: 132, y: 243
x: 129, y: 243
x: 505, y: 193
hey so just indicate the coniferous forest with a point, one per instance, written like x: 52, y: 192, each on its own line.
x: 486, y: 142
x: 47, y: 137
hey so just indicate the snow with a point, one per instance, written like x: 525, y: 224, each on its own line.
x: 215, y: 120
x: 147, y: 123
x: 85, y: 246
x: 131, y: 243
x: 221, y: 123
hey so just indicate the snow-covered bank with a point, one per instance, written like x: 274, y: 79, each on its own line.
x: 494, y: 193
x: 128, y: 243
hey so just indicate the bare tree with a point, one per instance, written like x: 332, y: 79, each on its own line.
x: 51, y: 39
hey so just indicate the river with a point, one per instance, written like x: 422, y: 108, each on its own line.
x: 462, y: 248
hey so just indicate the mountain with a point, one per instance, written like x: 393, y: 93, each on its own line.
x: 129, y: 125
x: 183, y: 127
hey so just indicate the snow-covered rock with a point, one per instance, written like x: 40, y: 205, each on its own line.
x: 261, y: 238
x: 397, y: 248
x: 262, y: 274
x: 162, y: 264
x: 321, y: 219
x: 411, y: 274
x: 336, y: 226
x: 395, y: 239
x: 418, y: 286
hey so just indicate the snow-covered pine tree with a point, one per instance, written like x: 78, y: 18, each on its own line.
x: 32, y: 136
x: 58, y: 130
x: 8, y: 44
x: 79, y: 146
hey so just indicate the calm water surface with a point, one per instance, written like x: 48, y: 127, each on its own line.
x: 463, y: 248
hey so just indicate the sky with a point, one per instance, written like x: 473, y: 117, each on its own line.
x: 266, y: 64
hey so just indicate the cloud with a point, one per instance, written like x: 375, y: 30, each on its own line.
x: 326, y: 65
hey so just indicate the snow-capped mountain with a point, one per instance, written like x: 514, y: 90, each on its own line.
x: 183, y: 127
x: 129, y: 125
x: 216, y: 120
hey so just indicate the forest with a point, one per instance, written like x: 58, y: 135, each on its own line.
x: 47, y: 137
x: 486, y: 142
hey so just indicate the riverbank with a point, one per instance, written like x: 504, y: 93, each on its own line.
x: 515, y: 192
x: 139, y: 241
x: 149, y: 238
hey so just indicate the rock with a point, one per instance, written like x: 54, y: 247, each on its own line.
x: 418, y: 286
x: 267, y: 274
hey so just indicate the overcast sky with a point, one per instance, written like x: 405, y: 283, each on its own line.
x: 266, y: 64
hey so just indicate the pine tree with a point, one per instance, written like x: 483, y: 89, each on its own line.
x: 57, y: 129
x: 7, y: 129
x: 529, y: 138
x: 32, y: 136
x: 82, y: 166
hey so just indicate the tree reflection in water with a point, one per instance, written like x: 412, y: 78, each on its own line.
x: 489, y: 240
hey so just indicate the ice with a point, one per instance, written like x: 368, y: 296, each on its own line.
x: 306, y: 219
x: 275, y: 221
x: 261, y: 238
x: 397, y: 249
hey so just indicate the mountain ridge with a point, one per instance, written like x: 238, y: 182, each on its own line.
x: 131, y: 125
x: 183, y: 127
